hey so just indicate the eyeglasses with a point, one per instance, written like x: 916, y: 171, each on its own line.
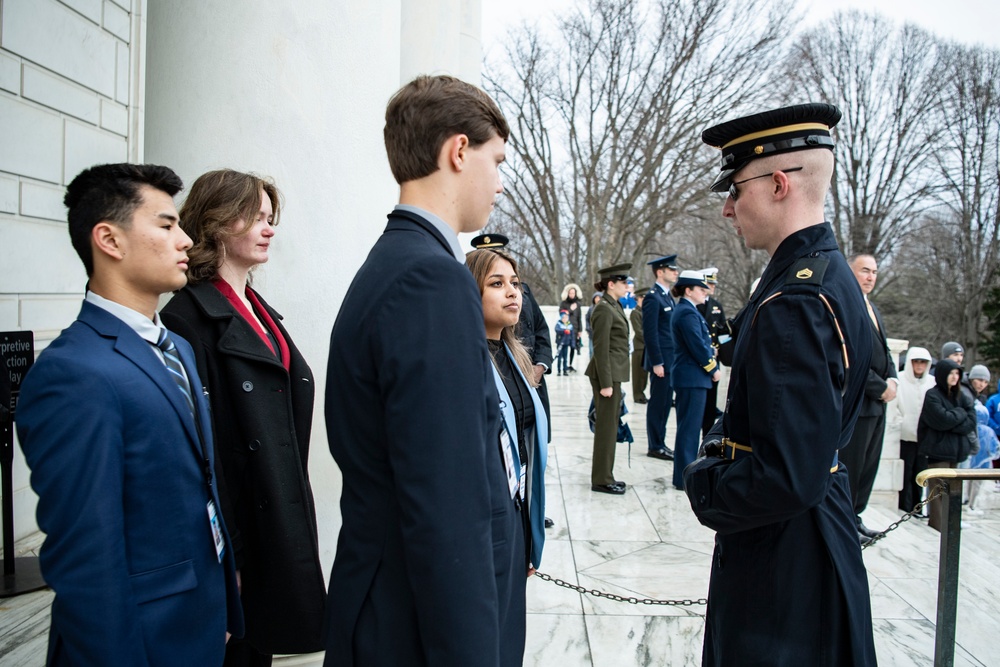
x: 734, y: 193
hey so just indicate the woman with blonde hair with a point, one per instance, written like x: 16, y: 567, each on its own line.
x: 261, y: 393
x: 572, y: 303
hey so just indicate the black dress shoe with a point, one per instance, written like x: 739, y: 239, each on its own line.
x: 549, y: 522
x: 866, y: 531
x: 608, y: 488
x: 663, y: 454
x: 620, y: 485
x: 641, y: 400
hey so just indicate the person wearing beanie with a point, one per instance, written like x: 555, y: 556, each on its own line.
x: 979, y: 380
x: 914, y: 382
x: 954, y: 351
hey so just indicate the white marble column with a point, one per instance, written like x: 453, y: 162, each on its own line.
x: 890, y: 468
x: 297, y: 91
x: 441, y: 37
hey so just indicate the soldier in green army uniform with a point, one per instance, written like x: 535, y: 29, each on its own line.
x: 639, y: 374
x: 608, y: 368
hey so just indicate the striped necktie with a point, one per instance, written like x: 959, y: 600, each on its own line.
x: 173, y: 363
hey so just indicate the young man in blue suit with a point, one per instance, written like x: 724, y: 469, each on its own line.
x: 426, y: 571
x: 115, y: 428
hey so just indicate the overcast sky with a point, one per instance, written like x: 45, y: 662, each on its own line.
x: 966, y: 21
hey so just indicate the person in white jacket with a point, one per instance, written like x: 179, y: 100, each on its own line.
x: 914, y: 381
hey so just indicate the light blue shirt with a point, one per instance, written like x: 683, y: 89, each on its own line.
x: 447, y: 232
x: 148, y: 329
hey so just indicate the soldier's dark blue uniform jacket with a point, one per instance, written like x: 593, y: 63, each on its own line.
x: 657, y: 308
x: 787, y: 549
x: 694, y: 358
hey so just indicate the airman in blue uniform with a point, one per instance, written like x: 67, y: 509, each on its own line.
x: 657, y: 308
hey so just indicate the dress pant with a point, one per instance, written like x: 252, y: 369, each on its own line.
x: 661, y: 397
x: 913, y: 464
x: 711, y: 410
x: 639, y: 376
x: 935, y: 508
x: 690, y: 409
x: 606, y: 414
x: 861, y: 457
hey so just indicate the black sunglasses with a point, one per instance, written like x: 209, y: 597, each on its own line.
x: 734, y: 193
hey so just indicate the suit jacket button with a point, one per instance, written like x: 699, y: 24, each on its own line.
x: 702, y: 499
x: 254, y: 445
x: 262, y: 504
x: 248, y: 386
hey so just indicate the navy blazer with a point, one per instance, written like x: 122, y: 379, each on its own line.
x: 657, y: 308
x: 425, y: 567
x: 118, y: 467
x: 694, y: 357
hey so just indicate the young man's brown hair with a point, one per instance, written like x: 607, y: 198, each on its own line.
x: 425, y: 112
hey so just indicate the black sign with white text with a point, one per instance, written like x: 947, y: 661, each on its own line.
x: 17, y: 354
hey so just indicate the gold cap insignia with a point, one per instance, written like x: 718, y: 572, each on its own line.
x: 486, y: 239
x: 804, y: 274
x: 758, y: 149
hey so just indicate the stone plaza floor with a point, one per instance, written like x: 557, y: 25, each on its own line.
x: 648, y: 544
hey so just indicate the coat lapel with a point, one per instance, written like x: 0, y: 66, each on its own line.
x: 139, y: 352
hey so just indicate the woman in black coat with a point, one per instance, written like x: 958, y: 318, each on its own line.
x: 261, y: 393
x: 947, y: 419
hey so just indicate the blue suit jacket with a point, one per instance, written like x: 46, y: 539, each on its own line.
x: 117, y: 464
x: 657, y: 308
x: 537, y: 456
x: 426, y: 571
x: 694, y: 357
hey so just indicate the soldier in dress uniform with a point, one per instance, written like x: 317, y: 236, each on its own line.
x: 607, y: 369
x: 639, y: 375
x: 788, y: 585
x: 657, y: 308
x: 715, y: 317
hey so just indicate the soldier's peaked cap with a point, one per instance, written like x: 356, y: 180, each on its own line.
x: 783, y: 130
x: 489, y: 241
x: 615, y: 271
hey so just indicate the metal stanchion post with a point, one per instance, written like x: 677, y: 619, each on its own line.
x: 947, y: 602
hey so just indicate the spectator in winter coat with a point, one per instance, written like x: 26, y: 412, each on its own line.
x: 946, y: 421
x: 914, y: 382
x: 573, y: 304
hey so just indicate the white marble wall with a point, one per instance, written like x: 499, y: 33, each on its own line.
x: 67, y: 101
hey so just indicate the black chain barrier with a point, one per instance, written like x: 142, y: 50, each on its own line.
x: 936, y: 492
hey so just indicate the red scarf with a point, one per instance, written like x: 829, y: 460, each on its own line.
x: 227, y: 291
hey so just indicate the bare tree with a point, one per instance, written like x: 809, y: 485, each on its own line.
x: 605, y: 160
x: 885, y: 80
x: 968, y: 161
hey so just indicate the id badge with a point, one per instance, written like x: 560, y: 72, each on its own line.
x: 508, y: 462
x: 213, y: 521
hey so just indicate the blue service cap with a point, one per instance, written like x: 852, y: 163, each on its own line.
x: 667, y: 261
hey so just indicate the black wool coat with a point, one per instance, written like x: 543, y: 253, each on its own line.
x: 261, y: 419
